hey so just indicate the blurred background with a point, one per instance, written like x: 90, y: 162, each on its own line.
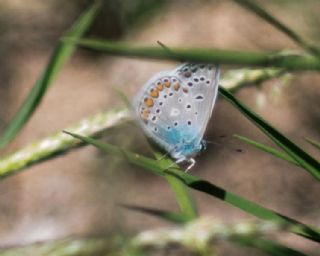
x: 78, y: 194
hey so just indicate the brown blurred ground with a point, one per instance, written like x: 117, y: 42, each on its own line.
x: 77, y: 194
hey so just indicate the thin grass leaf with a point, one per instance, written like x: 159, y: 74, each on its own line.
x: 208, y: 188
x: 233, y: 57
x: 305, y: 160
x: 267, y: 246
x: 136, y: 159
x: 165, y: 215
x: 61, y: 54
x: 267, y: 149
x: 262, y: 13
x: 246, y: 205
x: 313, y: 143
x: 180, y: 190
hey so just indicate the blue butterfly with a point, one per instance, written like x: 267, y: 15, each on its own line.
x: 174, y: 108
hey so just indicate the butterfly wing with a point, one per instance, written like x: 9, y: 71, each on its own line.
x: 203, y: 83
x: 173, y: 112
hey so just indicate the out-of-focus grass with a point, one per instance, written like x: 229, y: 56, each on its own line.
x: 60, y: 56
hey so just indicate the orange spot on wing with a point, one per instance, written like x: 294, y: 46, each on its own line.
x: 149, y: 102
x: 145, y: 114
x: 160, y: 87
x: 176, y: 86
x: 154, y: 93
x: 167, y: 84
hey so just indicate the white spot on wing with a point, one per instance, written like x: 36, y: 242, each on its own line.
x: 174, y: 112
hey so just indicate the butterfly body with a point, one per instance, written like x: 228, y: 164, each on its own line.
x: 174, y: 108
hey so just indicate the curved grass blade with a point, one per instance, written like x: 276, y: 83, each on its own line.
x: 246, y: 205
x: 208, y: 188
x: 305, y: 160
x: 180, y: 190
x: 262, y: 13
x: 231, y: 57
x: 61, y: 54
x: 313, y: 143
x: 267, y: 149
x: 165, y: 215
x: 268, y: 246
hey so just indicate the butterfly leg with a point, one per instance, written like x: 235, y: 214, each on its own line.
x: 192, y: 163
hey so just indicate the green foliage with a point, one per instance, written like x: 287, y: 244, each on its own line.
x: 180, y: 181
x: 60, y: 56
x: 206, y: 187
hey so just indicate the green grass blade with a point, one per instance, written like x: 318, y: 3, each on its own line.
x: 246, y: 205
x: 313, y: 143
x: 305, y: 160
x: 267, y: 246
x: 165, y: 215
x: 61, y: 54
x: 136, y: 159
x: 267, y: 149
x: 180, y: 190
x: 208, y: 188
x: 262, y: 13
x: 233, y: 57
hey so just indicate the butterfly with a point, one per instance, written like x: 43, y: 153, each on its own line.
x: 174, y: 107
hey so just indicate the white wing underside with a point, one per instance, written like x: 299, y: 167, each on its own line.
x: 181, y: 111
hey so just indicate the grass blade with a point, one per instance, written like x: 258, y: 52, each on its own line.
x: 262, y: 13
x: 233, y: 57
x: 313, y: 143
x: 268, y: 246
x: 180, y: 190
x: 136, y: 159
x: 246, y: 205
x: 61, y: 54
x: 267, y: 149
x: 208, y: 188
x: 165, y: 215
x: 305, y: 160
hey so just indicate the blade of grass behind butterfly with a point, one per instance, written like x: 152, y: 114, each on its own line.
x: 267, y: 149
x: 313, y: 143
x: 305, y: 160
x: 180, y: 190
x: 252, y: 208
x: 262, y: 13
x: 61, y: 54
